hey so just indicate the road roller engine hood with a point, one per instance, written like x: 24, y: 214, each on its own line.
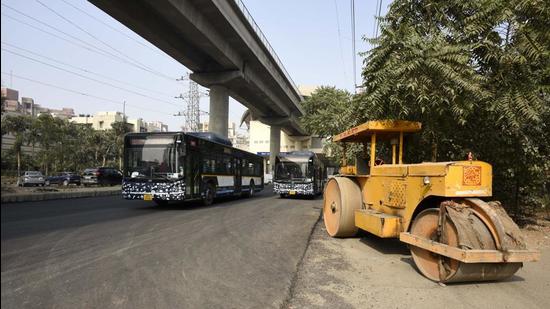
x: 460, y: 178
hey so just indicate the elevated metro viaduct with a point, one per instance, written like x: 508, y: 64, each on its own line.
x: 220, y: 42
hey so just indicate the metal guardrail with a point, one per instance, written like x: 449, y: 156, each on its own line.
x: 264, y: 40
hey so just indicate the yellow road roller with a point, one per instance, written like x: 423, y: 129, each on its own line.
x: 438, y: 208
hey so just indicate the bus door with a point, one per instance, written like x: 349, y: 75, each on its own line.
x: 192, y: 173
x: 238, y: 175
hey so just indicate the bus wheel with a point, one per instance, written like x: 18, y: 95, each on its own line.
x: 209, y: 194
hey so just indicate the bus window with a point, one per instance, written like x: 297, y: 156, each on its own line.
x: 228, y: 164
x: 209, y: 165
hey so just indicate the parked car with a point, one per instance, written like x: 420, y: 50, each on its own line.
x: 101, y: 176
x: 64, y: 178
x: 31, y: 178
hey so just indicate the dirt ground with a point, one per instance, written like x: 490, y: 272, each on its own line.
x: 369, y: 272
x: 537, y: 233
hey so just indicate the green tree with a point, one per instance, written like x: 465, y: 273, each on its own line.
x: 52, y: 135
x: 62, y: 145
x: 321, y: 108
x: 119, y: 130
x: 17, y: 126
x: 329, y: 111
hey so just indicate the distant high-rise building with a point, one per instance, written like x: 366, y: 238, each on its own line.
x: 100, y: 121
x: 156, y: 126
x: 10, y: 94
x: 104, y: 120
x: 27, y: 106
x: 203, y: 127
x: 10, y: 98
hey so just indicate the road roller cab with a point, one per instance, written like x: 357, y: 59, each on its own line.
x: 435, y: 207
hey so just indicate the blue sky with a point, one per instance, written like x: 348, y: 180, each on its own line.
x: 305, y: 35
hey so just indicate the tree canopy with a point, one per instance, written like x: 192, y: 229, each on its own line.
x: 60, y: 145
x: 321, y: 108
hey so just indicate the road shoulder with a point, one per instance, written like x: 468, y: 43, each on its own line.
x: 44, y: 194
x: 369, y: 272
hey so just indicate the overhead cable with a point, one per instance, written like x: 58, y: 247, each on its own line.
x: 78, y: 92
x: 89, y: 78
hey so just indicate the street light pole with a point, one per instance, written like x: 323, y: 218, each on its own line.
x: 353, y: 46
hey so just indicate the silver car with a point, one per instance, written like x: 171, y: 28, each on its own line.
x: 32, y: 178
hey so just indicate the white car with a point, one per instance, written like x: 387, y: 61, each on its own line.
x: 33, y: 178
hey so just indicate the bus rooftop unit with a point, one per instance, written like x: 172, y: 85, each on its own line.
x: 298, y: 173
x: 177, y: 166
x: 437, y: 208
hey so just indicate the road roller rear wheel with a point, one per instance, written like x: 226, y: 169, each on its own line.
x: 341, y: 198
x: 472, y: 231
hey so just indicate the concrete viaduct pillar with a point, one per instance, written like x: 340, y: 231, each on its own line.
x: 298, y: 144
x: 219, y: 110
x: 274, y: 146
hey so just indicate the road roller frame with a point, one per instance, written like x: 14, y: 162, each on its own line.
x: 470, y: 256
x: 434, y: 207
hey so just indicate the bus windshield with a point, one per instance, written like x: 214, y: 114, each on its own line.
x: 292, y: 170
x: 151, y: 156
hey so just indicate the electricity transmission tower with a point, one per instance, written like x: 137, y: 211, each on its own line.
x: 191, y: 114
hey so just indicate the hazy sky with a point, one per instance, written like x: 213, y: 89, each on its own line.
x: 312, y: 38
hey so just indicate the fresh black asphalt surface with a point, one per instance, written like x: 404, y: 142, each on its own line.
x: 111, y: 253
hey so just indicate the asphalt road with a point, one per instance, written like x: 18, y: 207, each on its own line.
x: 107, y: 252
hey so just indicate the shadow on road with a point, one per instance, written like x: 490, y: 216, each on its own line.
x: 384, y: 246
x: 302, y: 197
x: 194, y: 205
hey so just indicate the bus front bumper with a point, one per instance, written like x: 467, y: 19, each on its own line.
x: 145, y: 190
x: 293, y: 188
